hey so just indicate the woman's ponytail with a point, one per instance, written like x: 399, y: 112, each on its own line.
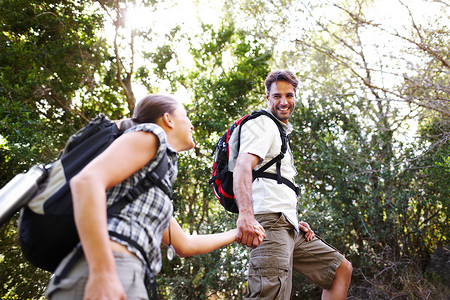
x: 149, y: 109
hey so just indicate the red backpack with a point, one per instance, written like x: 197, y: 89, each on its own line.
x: 222, y: 176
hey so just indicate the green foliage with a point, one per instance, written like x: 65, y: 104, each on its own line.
x: 48, y: 52
x: 382, y: 206
x: 380, y: 197
x: 218, y: 273
x: 19, y: 279
x: 49, y: 58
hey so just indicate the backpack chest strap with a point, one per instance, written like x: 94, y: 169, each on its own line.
x: 278, y: 178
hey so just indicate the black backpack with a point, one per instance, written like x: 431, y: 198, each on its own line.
x: 222, y: 176
x: 47, y: 231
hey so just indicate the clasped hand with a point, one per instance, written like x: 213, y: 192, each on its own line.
x: 250, y: 232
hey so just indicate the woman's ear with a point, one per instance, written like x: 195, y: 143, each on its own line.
x: 167, y: 120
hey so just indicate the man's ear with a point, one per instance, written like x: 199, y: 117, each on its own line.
x: 167, y: 120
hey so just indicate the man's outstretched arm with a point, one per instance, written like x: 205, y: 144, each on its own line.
x: 242, y: 187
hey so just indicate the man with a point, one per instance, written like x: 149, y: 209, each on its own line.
x: 290, y: 244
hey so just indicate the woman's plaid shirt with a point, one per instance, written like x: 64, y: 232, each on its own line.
x: 145, y: 219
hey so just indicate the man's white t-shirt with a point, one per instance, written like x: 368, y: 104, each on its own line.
x: 261, y: 137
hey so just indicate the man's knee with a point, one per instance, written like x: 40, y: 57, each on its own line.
x: 345, y: 269
x: 341, y: 282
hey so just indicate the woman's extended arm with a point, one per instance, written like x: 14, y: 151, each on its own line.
x: 188, y: 245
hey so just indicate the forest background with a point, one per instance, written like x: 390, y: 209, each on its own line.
x: 371, y: 139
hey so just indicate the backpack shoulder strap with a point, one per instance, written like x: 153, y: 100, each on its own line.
x: 261, y: 172
x: 284, y: 142
x: 153, y: 178
x: 255, y: 114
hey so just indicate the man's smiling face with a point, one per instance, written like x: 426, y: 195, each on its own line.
x: 281, y: 100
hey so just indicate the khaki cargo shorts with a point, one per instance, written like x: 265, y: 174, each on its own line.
x: 284, y: 250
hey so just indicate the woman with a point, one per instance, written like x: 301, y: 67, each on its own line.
x: 112, y: 266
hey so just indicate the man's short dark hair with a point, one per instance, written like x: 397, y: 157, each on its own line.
x: 280, y: 75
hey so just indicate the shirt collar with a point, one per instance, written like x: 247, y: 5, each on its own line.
x: 171, y: 149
